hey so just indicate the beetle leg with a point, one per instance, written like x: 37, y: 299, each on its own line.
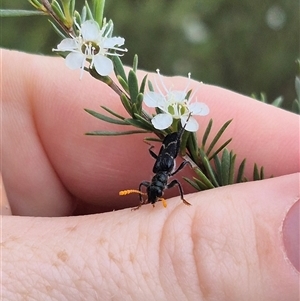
x: 175, y: 182
x: 181, y: 166
x: 152, y: 153
x: 145, y: 184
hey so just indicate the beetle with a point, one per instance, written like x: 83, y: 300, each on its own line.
x: 164, y: 168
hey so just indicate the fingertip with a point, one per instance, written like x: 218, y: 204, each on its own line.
x: 291, y: 235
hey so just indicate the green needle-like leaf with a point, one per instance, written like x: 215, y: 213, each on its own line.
x: 72, y: 6
x: 195, y: 183
x: 140, y: 122
x: 139, y: 103
x: 118, y: 67
x: 19, y: 13
x: 188, y: 94
x: 220, y: 148
x: 218, y: 167
x: 82, y: 15
x: 225, y: 166
x: 206, y: 133
x: 183, y: 144
x: 150, y: 86
x: 88, y: 11
x: 143, y: 84
x: 208, y: 168
x: 152, y: 139
x: 135, y: 63
x: 240, y: 176
x: 277, y: 102
x: 107, y: 133
x: 262, y: 173
x: 105, y: 118
x: 231, y: 168
x: 204, y: 179
x: 126, y: 104
x: 61, y: 34
x: 217, y: 137
x: 123, y: 83
x: 192, y: 147
x: 256, y: 173
x: 98, y: 8
x: 133, y: 86
x: 201, y: 184
x: 145, y: 121
x: 112, y: 112
x: 58, y: 10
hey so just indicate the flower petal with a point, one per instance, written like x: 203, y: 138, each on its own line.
x: 103, y: 65
x: 114, y: 41
x: 192, y: 125
x: 178, y: 96
x: 67, y: 45
x: 162, y: 121
x: 75, y: 60
x: 199, y: 108
x: 153, y: 99
x: 90, y: 30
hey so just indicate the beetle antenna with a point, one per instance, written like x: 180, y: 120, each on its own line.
x: 129, y: 191
x: 186, y: 122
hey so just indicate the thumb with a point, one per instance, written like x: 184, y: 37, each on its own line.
x: 238, y: 242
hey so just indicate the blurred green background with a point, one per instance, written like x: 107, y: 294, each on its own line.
x: 246, y: 46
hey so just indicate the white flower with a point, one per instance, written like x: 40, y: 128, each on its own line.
x: 92, y: 44
x: 174, y: 105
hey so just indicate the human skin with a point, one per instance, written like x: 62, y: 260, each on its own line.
x: 233, y: 243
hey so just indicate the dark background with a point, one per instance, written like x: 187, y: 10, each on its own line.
x: 246, y: 46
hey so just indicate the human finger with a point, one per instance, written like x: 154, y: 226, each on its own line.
x: 49, y: 100
x: 232, y: 244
